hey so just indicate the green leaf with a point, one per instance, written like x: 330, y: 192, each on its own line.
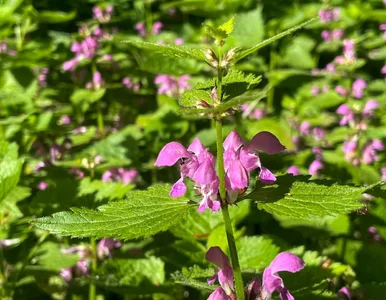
x: 188, y: 277
x: 176, y: 52
x: 103, y: 190
x: 143, y: 213
x: 256, y: 252
x: 249, y: 29
x: 54, y: 17
x: 10, y: 168
x: 234, y: 84
x: 222, y: 31
x: 226, y: 106
x: 297, y: 197
x: 246, y: 52
x: 85, y: 97
x: 50, y: 256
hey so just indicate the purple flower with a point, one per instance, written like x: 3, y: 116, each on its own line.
x: 344, y: 293
x: 219, y: 294
x: 349, y: 148
x: 293, y: 170
x: 39, y: 165
x: 349, y: 50
x: 369, y: 107
x: 239, y: 160
x: 337, y: 34
x: 348, y: 115
x: 383, y: 172
x: 318, y: 133
x: 172, y: 86
x: 105, y: 246
x: 120, y: 174
x: 82, y: 267
x: 66, y: 273
x: 357, y: 88
x: 127, y: 82
x: 64, y: 120
x: 305, y: 128
x: 314, y: 90
x: 314, y: 167
x: 327, y: 16
x: 225, y: 273
x: 157, y: 26
x: 369, y: 154
x: 195, y: 163
x: 140, y: 27
x: 76, y: 171
x: 341, y: 90
x: 272, y: 282
x: 42, y: 185
x: 179, y: 41
x: 383, y: 70
x: 326, y: 35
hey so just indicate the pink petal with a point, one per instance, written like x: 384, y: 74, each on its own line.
x: 286, y: 295
x: 266, y: 176
x: 343, y: 110
x: 237, y: 175
x: 233, y: 141
x: 266, y: 142
x: 178, y: 189
x: 196, y: 147
x: 218, y: 257
x: 170, y: 154
x: 219, y: 294
x: 286, y: 261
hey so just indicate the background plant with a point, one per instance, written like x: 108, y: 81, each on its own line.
x: 90, y: 93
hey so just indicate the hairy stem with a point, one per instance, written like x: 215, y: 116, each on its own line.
x: 221, y: 174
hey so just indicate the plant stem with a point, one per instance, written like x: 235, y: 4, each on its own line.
x: 234, y: 256
x: 92, y: 288
x: 101, y: 126
x: 222, y: 189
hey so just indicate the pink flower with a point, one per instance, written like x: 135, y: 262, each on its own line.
x: 120, y: 174
x: 370, y: 106
x: 195, y: 163
x: 225, y: 273
x: 76, y: 171
x: 315, y: 166
x: 66, y: 274
x: 293, y: 170
x: 348, y: 115
x: 357, y: 88
x: 172, y: 86
x: 140, y: 27
x: 65, y: 120
x: 239, y: 160
x: 383, y: 172
x: 341, y: 90
x: 157, y: 26
x: 42, y: 185
x: 344, y: 293
x: 272, y: 282
x: 105, y: 247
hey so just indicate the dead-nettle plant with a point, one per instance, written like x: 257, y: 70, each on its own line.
x: 221, y: 180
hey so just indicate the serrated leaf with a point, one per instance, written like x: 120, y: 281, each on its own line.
x: 176, y: 52
x: 188, y: 277
x: 10, y: 168
x: 143, y: 213
x: 256, y: 252
x: 226, y: 106
x: 297, y: 197
x: 248, y: 29
x: 50, y: 256
x: 103, y: 190
x: 246, y: 52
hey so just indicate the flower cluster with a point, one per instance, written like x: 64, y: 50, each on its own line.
x: 172, y: 86
x: 198, y: 164
x: 120, y: 175
x: 271, y: 282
